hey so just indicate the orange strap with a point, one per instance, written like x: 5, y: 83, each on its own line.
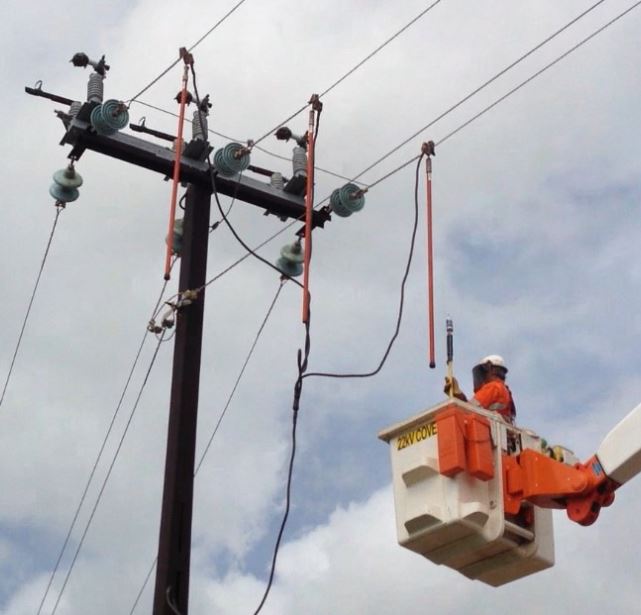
x: 176, y: 176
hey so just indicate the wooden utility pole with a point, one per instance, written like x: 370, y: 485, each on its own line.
x: 172, y: 574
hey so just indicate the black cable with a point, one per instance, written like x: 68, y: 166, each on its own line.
x: 401, y: 303
x: 212, y: 175
x: 200, y: 40
x: 302, y: 366
x: 104, y: 483
x: 302, y: 361
x: 59, y: 208
x: 354, y: 68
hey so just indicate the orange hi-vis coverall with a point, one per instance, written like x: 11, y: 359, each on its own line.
x: 495, y: 396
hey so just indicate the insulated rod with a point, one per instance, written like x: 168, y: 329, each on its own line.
x: 176, y: 176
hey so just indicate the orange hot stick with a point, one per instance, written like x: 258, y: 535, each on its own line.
x: 176, y: 176
x: 430, y: 271
x: 308, y: 212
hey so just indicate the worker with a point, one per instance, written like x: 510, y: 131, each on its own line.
x: 490, y: 390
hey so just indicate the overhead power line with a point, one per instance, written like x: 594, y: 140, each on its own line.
x: 515, y: 89
x: 228, y: 138
x: 175, y: 62
x: 368, y: 57
x: 100, y: 453
x: 270, y: 309
x: 448, y: 136
x: 59, y: 208
x: 106, y: 479
x: 491, y: 80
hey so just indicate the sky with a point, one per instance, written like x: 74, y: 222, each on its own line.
x: 536, y: 230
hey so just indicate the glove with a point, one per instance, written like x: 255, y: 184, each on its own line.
x: 451, y: 385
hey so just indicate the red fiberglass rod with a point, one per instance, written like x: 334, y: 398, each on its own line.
x: 309, y: 202
x: 428, y: 148
x: 176, y: 177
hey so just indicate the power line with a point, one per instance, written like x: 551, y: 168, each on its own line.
x: 240, y: 375
x: 228, y: 138
x: 220, y: 419
x: 100, y: 452
x: 59, y: 208
x: 479, y: 88
x: 540, y: 72
x: 200, y: 40
x: 508, y: 94
x: 104, y: 483
x: 407, y: 163
x: 354, y: 68
x: 212, y: 175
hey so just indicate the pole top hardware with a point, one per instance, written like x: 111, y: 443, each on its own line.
x: 186, y: 57
x: 428, y: 149
x: 82, y: 60
x: 315, y: 102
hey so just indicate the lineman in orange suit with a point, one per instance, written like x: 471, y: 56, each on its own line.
x: 490, y: 390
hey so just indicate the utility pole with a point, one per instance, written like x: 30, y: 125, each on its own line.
x: 172, y: 575
x: 172, y: 572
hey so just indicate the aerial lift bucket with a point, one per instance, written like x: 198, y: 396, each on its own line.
x: 448, y: 494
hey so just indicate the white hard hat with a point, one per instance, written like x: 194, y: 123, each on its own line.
x: 494, y: 359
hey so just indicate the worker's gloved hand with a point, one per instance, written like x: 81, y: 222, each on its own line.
x: 452, y: 387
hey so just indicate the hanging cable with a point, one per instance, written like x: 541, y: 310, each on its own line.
x: 100, y: 452
x: 59, y: 207
x: 302, y: 366
x: 200, y: 40
x: 353, y: 69
x: 302, y: 357
x: 401, y: 303
x: 106, y: 479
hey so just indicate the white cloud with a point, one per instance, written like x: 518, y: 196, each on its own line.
x: 536, y: 221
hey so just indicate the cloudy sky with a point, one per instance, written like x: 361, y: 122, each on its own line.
x: 536, y: 231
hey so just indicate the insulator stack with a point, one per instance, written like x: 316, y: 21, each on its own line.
x: 65, y: 185
x: 299, y: 161
x: 199, y: 126
x: 232, y: 159
x: 95, y: 88
x: 74, y: 108
x: 347, y: 200
x: 277, y: 181
x: 110, y: 117
x: 177, y: 245
x: 291, y: 259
